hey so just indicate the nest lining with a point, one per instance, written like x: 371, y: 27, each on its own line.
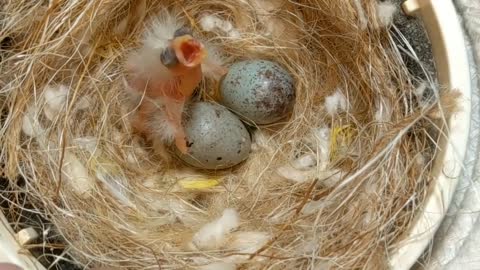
x: 333, y: 186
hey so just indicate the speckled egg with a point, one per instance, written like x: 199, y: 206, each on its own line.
x: 216, y: 138
x: 258, y: 90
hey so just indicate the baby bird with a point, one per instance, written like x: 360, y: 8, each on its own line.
x: 163, y: 75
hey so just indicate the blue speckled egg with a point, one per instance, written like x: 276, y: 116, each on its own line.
x: 258, y: 90
x: 216, y: 138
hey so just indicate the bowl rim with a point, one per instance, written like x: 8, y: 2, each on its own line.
x: 453, y: 72
x: 11, y: 251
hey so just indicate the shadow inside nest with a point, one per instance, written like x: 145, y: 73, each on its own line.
x: 49, y: 247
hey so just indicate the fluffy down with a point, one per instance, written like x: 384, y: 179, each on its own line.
x: 160, y: 126
x: 248, y: 242
x: 299, y: 170
x: 211, y: 23
x: 213, y: 234
x: 336, y: 103
x: 145, y: 61
x: 385, y: 12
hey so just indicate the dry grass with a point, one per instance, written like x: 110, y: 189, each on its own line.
x: 127, y: 211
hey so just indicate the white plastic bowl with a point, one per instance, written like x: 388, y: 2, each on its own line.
x: 10, y: 250
x: 451, y: 61
x: 450, y: 54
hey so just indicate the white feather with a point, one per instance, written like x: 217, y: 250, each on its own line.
x: 212, y: 23
x: 321, y: 137
x: 56, y: 96
x: 30, y: 124
x: 305, y: 162
x: 55, y: 99
x: 212, y: 235
x: 331, y: 178
x: 76, y: 174
x: 49, y: 113
x: 266, y: 7
x: 336, y: 103
x: 132, y: 159
x: 419, y: 94
x: 248, y: 242
x: 383, y: 112
x: 73, y: 170
x: 362, y: 18
x: 385, y: 12
x: 311, y: 166
x: 420, y: 160
x: 300, y: 169
x: 219, y: 266
x: 116, y: 185
x: 261, y: 141
x: 379, y: 115
x: 420, y: 90
x: 313, y: 207
x: 151, y: 181
x: 290, y: 173
x: 88, y: 143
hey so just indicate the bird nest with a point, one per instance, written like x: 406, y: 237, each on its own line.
x: 336, y: 184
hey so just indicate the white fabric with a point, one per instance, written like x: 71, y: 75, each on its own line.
x: 457, y: 243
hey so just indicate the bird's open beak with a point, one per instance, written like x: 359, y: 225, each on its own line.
x: 189, y: 51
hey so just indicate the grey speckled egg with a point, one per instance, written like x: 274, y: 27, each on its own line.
x: 258, y: 90
x: 216, y: 138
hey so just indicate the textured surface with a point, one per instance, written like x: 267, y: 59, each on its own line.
x: 457, y: 243
x: 216, y: 138
x: 411, y: 29
x: 258, y: 90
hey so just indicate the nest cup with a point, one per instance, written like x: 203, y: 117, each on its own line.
x: 334, y: 185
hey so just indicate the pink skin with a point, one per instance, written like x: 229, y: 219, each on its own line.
x: 174, y: 114
x: 185, y: 78
x: 9, y: 266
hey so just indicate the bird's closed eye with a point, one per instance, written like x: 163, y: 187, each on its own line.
x: 168, y: 57
x: 182, y: 31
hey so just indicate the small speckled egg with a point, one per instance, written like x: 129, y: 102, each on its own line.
x: 216, y: 138
x: 258, y: 90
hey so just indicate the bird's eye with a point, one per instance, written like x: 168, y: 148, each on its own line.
x: 182, y: 31
x: 168, y: 57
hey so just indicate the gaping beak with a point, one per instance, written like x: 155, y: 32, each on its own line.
x: 189, y: 51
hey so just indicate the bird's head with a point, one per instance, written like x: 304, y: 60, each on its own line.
x: 184, y: 50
